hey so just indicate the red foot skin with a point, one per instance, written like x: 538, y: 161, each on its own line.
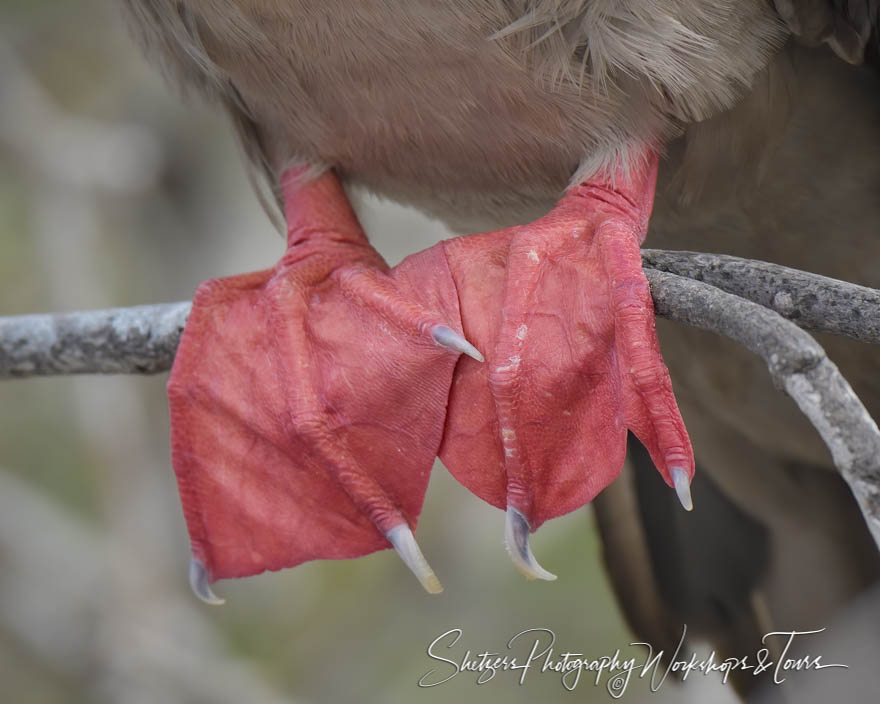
x: 563, y: 313
x: 307, y: 401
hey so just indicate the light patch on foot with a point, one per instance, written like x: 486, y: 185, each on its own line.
x: 508, y: 442
x: 533, y: 255
x: 513, y: 366
x: 522, y: 332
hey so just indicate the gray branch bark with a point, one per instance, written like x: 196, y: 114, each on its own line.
x: 143, y: 340
x: 137, y: 340
x: 814, y: 302
x: 797, y: 364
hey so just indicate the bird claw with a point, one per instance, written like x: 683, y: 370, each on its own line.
x: 682, y: 484
x: 404, y: 542
x: 200, y: 585
x: 448, y: 338
x: 516, y: 538
x: 563, y: 311
x: 282, y: 429
x: 292, y: 442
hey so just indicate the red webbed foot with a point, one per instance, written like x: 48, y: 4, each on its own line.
x: 307, y: 401
x: 563, y: 312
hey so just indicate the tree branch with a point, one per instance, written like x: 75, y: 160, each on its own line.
x: 797, y: 364
x: 814, y: 302
x: 137, y: 340
x: 143, y: 340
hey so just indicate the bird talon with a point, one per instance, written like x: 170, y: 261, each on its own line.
x: 448, y: 338
x: 516, y: 538
x: 201, y: 587
x: 682, y: 484
x: 404, y: 542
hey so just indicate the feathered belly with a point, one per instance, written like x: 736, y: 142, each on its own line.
x: 460, y: 107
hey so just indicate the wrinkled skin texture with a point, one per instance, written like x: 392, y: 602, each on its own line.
x: 306, y: 403
x: 564, y: 313
x: 309, y: 401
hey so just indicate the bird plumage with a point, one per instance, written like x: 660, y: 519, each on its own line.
x: 482, y: 112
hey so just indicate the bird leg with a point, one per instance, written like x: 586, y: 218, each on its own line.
x: 307, y: 401
x: 563, y: 312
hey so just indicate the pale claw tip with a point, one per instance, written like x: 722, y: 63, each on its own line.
x: 403, y: 540
x: 516, y: 537
x: 682, y: 484
x: 198, y: 581
x: 448, y: 338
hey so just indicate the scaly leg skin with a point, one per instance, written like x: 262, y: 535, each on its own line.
x: 307, y: 401
x: 563, y: 311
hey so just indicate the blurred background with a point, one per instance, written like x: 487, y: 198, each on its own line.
x: 115, y: 192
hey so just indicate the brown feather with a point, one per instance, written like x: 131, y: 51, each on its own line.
x: 469, y: 110
x: 845, y: 25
